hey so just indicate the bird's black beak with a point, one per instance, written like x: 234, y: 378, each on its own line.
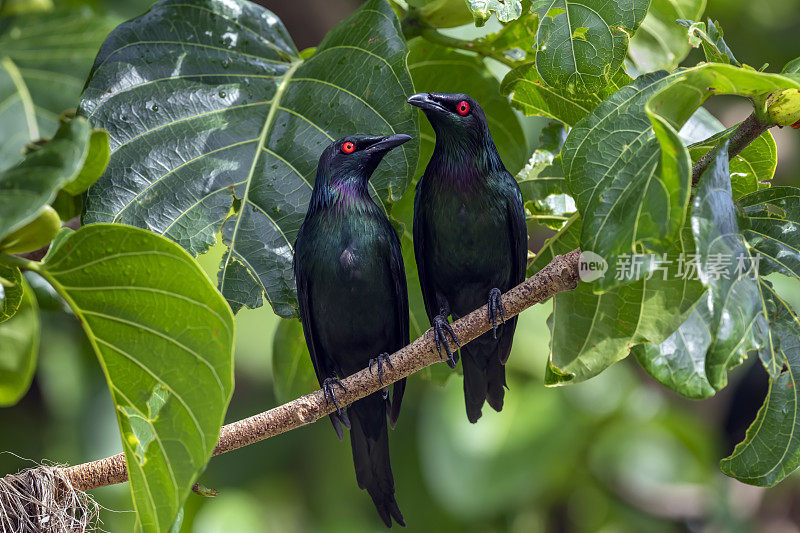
x: 425, y: 102
x: 384, y: 144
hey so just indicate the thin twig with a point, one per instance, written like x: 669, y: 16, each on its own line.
x: 748, y: 131
x: 560, y: 275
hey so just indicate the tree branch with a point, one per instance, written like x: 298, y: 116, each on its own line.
x: 560, y: 275
x: 748, y: 131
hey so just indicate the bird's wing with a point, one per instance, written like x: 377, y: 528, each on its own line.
x: 401, y: 310
x: 425, y: 282
x: 518, y: 235
x: 518, y: 232
x: 318, y: 359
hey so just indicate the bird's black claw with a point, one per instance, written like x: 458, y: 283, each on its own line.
x: 328, y: 390
x: 380, y: 361
x: 440, y: 329
x: 495, y: 306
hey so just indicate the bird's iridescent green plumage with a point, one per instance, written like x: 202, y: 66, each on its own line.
x: 469, y: 236
x: 353, y: 299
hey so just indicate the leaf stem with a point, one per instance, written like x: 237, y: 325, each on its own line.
x: 748, y: 131
x: 20, y: 262
x: 560, y: 275
x: 413, y: 27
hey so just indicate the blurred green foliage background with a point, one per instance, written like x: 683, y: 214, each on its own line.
x: 617, y: 453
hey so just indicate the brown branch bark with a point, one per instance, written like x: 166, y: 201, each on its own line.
x: 748, y: 131
x: 560, y: 275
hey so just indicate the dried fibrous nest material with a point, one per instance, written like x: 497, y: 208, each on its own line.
x: 42, y: 499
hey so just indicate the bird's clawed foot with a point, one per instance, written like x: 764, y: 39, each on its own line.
x: 382, y: 359
x: 440, y: 328
x: 495, y: 306
x: 328, y: 390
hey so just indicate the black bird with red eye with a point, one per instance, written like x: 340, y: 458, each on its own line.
x: 470, y: 241
x: 351, y: 289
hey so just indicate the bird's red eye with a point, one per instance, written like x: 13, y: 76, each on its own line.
x: 348, y: 147
x: 462, y: 107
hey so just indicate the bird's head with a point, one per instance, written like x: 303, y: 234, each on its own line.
x: 454, y: 115
x: 346, y: 165
x: 356, y: 156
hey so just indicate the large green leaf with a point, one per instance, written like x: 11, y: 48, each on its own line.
x: 234, y: 117
x: 724, y: 265
x: 629, y: 193
x: 533, y: 97
x: 771, y: 448
x: 28, y: 187
x: 164, y: 337
x: 591, y: 331
x: 582, y: 44
x: 660, y: 43
x: 438, y: 69
x: 44, y: 60
x: 10, y: 291
x: 19, y: 339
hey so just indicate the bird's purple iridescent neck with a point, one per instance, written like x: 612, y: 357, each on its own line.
x: 342, y: 195
x: 464, y: 160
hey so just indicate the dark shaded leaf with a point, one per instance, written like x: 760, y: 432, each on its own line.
x: 771, y: 448
x: 198, y: 119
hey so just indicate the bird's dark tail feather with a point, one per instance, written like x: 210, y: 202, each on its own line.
x: 369, y: 438
x: 397, y: 399
x: 483, y: 362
